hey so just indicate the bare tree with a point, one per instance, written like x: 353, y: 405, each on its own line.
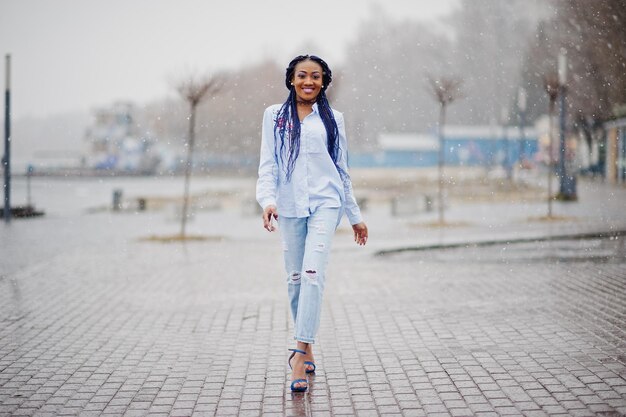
x: 445, y: 90
x: 194, y: 90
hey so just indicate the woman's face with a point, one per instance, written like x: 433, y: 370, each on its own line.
x: 307, y: 80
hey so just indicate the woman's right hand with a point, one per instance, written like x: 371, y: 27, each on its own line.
x: 269, y: 213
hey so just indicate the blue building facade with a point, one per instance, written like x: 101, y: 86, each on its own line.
x: 462, y: 146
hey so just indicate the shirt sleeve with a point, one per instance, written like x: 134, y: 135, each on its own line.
x: 351, y: 207
x: 268, y: 168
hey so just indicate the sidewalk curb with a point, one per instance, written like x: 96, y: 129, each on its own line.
x: 493, y: 242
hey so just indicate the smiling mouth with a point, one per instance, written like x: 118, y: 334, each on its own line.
x: 308, y: 90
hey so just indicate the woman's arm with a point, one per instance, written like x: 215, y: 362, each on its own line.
x: 352, y: 208
x: 268, y: 171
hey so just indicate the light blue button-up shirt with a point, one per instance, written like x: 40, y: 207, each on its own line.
x: 315, y: 181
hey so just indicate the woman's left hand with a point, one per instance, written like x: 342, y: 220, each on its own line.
x: 360, y: 233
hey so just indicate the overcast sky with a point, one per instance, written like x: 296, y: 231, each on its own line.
x: 74, y: 55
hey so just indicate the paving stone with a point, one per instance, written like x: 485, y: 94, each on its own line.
x: 117, y: 326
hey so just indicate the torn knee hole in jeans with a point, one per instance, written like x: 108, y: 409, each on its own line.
x: 295, y: 277
x: 311, y: 276
x: 320, y: 247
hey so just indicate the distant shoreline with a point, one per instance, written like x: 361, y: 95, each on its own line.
x: 91, y: 173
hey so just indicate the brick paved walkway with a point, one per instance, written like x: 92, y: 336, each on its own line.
x: 150, y: 329
x: 95, y: 322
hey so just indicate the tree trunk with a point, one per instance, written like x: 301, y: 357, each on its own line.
x: 442, y: 117
x: 190, y: 143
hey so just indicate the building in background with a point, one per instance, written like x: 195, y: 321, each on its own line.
x: 615, y: 152
x: 116, y: 144
x: 463, y: 146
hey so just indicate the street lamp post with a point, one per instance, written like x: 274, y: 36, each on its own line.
x: 551, y: 85
x: 567, y: 188
x: 550, y: 150
x: 6, y: 160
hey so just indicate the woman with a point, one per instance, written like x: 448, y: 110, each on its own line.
x: 303, y: 177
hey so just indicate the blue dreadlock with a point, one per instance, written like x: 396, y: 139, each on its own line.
x: 287, y: 123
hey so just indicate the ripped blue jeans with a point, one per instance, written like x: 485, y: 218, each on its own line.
x: 306, y: 246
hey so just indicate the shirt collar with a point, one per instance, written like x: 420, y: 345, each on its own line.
x: 314, y: 108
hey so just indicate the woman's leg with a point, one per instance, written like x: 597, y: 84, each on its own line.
x: 321, y: 227
x: 293, y: 233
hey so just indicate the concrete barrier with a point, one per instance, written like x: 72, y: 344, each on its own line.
x: 407, y: 205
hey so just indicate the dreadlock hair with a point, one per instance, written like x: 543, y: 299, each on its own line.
x: 287, y: 124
